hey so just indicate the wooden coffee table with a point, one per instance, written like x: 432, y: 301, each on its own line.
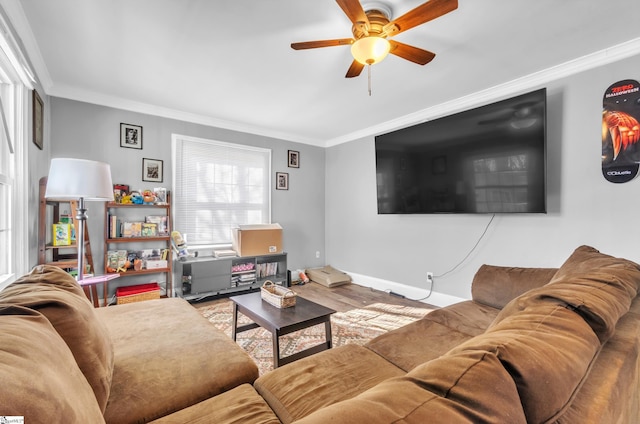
x: 281, y: 321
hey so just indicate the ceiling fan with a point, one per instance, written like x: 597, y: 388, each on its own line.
x: 519, y: 116
x: 372, y: 28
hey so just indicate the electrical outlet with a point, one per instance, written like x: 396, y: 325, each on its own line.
x: 317, y: 253
x: 430, y: 277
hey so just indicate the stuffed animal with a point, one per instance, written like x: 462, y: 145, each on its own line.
x: 148, y: 197
x: 136, y: 198
x: 126, y: 199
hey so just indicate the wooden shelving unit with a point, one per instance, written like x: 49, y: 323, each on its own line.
x: 137, y: 212
x: 65, y: 257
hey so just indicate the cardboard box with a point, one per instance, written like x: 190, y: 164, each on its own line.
x: 258, y: 239
x: 155, y: 264
x: 328, y: 276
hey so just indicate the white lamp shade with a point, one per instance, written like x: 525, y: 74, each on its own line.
x: 76, y: 178
x: 370, y: 50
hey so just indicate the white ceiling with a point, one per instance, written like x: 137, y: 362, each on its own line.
x: 229, y: 63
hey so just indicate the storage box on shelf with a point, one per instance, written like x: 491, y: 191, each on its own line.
x: 257, y: 239
x: 209, y: 276
x: 138, y: 241
x: 137, y: 293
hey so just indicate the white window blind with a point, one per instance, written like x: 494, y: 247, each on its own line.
x: 218, y: 186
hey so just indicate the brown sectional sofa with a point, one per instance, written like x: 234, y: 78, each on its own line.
x: 535, y: 345
x: 62, y: 361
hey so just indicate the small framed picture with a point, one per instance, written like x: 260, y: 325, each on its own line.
x: 282, y: 181
x: 294, y: 159
x: 161, y: 195
x: 131, y: 136
x: 38, y: 120
x: 152, y: 170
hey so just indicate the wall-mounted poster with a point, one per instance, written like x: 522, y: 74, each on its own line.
x: 621, y: 131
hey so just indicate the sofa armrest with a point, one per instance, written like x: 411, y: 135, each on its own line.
x: 496, y: 286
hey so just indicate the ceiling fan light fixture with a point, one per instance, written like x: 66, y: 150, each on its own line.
x: 370, y: 50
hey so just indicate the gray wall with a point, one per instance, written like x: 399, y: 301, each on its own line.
x: 338, y: 193
x: 583, y: 207
x: 87, y: 131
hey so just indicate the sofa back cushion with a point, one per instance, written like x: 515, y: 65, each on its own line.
x: 40, y: 378
x: 465, y: 387
x: 548, y: 350
x: 496, y: 286
x: 56, y: 295
x: 598, y: 287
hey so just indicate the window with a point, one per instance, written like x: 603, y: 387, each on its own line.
x: 501, y: 183
x: 12, y: 185
x: 13, y: 165
x: 218, y: 186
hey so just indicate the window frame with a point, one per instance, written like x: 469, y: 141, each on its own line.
x: 15, y: 99
x: 177, y: 197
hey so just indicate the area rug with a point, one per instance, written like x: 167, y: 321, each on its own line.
x: 357, y: 326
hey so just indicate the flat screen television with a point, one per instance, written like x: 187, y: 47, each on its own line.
x: 491, y: 159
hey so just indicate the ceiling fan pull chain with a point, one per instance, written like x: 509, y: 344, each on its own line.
x: 369, y: 79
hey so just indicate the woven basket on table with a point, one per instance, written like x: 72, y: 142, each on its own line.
x: 278, y: 296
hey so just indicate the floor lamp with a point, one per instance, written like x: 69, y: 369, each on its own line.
x: 81, y: 180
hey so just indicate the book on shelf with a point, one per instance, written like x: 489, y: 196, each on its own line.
x: 149, y: 229
x: 115, y: 229
x: 116, y: 260
x: 61, y: 234
x: 267, y: 269
x: 161, y: 222
x: 132, y: 229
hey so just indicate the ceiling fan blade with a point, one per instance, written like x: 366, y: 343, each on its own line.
x: 413, y: 54
x: 355, y: 69
x: 354, y: 11
x: 418, y: 16
x: 322, y: 43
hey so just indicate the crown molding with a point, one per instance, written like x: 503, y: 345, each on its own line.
x: 529, y: 82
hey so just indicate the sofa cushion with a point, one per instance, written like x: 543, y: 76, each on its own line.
x: 416, y: 343
x: 598, y: 287
x: 304, y: 386
x: 468, y: 317
x: 168, y: 357
x: 466, y: 387
x: 57, y: 295
x: 40, y: 379
x: 586, y: 259
x: 497, y: 285
x: 548, y: 350
x: 610, y: 392
x: 242, y: 405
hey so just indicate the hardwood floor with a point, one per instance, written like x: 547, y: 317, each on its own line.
x: 349, y: 296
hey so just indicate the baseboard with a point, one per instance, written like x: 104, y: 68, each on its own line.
x: 410, y: 292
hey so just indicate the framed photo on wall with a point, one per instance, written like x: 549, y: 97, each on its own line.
x: 152, y: 170
x: 131, y: 136
x: 294, y: 159
x: 38, y: 120
x: 282, y: 181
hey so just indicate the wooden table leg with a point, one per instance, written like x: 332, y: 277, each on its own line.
x: 328, y: 336
x: 276, y: 349
x: 234, y: 327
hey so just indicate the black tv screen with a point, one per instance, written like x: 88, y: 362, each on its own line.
x: 491, y: 159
